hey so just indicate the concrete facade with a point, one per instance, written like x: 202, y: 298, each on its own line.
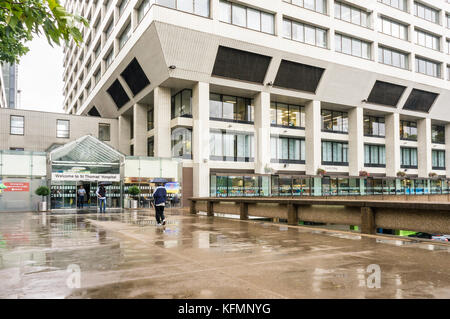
x: 178, y: 50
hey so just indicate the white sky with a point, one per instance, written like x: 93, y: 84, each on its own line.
x: 40, y: 77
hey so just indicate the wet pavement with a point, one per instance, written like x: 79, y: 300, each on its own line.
x: 125, y: 255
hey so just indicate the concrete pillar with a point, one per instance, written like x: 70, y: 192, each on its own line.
x: 392, y: 144
x: 447, y: 150
x: 192, y: 208
x: 243, y: 209
x: 355, y: 141
x: 210, y: 208
x: 368, y: 225
x: 124, y: 134
x: 262, y: 128
x: 140, y: 129
x: 424, y: 146
x: 313, y: 137
x: 292, y: 215
x: 162, y: 137
x: 200, y: 139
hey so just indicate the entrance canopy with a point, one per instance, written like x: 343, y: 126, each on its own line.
x: 86, y: 150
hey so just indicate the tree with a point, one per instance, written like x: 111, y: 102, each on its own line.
x: 20, y: 20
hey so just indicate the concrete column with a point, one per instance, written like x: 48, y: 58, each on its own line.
x: 262, y: 128
x: 424, y: 146
x: 124, y: 134
x: 162, y: 137
x: 356, y: 141
x: 200, y: 139
x: 392, y: 144
x: 243, y: 209
x: 292, y: 215
x: 210, y: 208
x: 140, y: 129
x: 313, y: 137
x: 447, y: 150
x: 368, y: 225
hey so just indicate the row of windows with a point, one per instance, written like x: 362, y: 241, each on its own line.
x: 17, y: 127
x: 263, y: 21
x: 240, y: 109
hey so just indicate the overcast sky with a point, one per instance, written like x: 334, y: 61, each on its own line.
x: 40, y: 77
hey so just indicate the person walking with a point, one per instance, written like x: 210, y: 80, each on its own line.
x: 159, y: 198
x: 101, y: 195
x: 81, y: 194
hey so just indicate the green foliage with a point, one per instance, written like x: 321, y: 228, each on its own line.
x: 134, y: 191
x: 42, y: 191
x: 20, y: 20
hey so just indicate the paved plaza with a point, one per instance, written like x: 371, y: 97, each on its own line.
x: 125, y: 255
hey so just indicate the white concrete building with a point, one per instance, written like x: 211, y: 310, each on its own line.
x: 269, y: 86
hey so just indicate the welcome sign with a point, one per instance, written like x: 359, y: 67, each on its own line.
x: 85, y: 177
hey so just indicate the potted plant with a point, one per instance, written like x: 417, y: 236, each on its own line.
x: 432, y: 174
x: 134, y: 191
x: 401, y: 174
x: 43, y: 191
x: 321, y: 171
x: 363, y: 173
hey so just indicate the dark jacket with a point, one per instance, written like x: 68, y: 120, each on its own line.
x: 160, y: 195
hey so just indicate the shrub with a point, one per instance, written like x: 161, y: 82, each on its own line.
x: 363, y: 173
x: 134, y: 191
x: 321, y: 171
x: 401, y: 174
x: 42, y: 191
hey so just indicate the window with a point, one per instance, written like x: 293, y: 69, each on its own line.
x: 230, y: 146
x: 126, y: 34
x: 428, y: 67
x: 438, y: 134
x: 374, y: 155
x: 315, y: 5
x: 304, y: 33
x: 352, y: 46
x: 182, y: 104
x: 230, y: 108
x: 132, y: 150
x: 104, y: 132
x: 199, y: 7
x: 108, y: 30
x: 122, y: 6
x: 63, y: 128
x: 447, y: 46
x: 393, y: 57
x: 17, y: 125
x: 334, y: 153
x: 393, y: 28
x: 143, y: 9
x: 287, y: 150
x: 408, y: 130
x: 447, y: 17
x: 151, y: 147
x: 437, y: 159
x: 97, y: 50
x: 97, y: 76
x: 427, y: 40
x: 399, y: 4
x: 109, y: 58
x: 374, y: 126
x: 408, y: 157
x: 425, y: 12
x: 247, y: 17
x: 150, y: 118
x: 287, y: 115
x: 16, y: 149
x: 182, y: 142
x: 334, y: 121
x: 351, y: 14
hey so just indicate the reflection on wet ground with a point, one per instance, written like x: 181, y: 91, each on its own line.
x: 125, y: 255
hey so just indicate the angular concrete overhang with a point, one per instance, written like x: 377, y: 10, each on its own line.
x: 157, y: 45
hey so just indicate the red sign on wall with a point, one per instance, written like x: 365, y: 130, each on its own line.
x: 17, y: 187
